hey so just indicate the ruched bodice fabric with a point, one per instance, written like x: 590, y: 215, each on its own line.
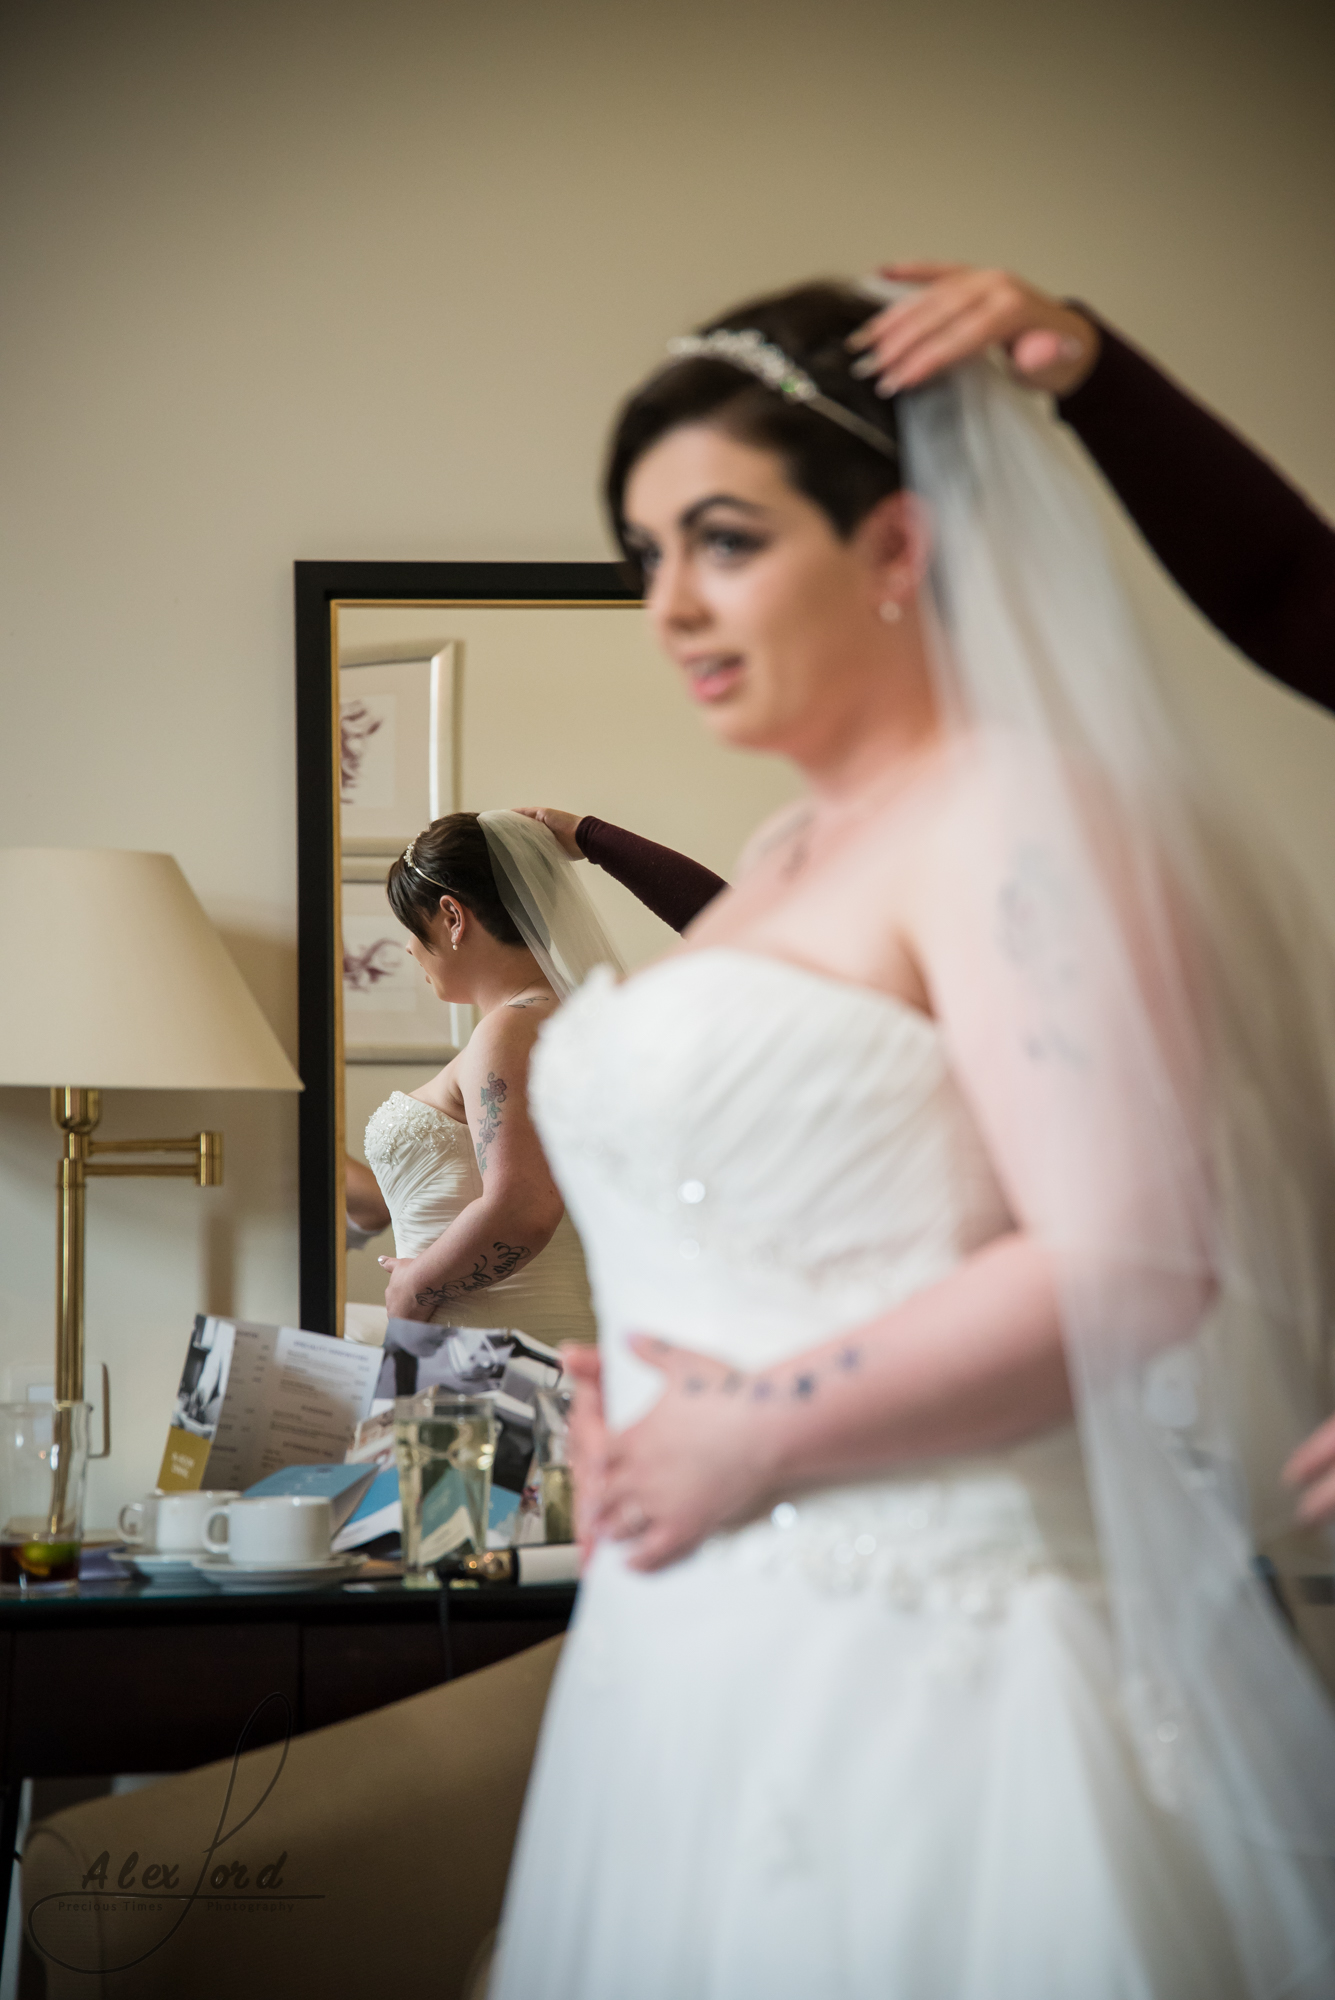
x: 427, y: 1171
x: 867, y: 1745
x: 756, y: 1156
x: 759, y: 1157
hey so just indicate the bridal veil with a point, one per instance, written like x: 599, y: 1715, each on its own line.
x: 1167, y: 1011
x: 547, y: 905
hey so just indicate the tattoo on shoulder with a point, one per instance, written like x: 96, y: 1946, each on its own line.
x: 492, y: 1096
x: 1037, y: 931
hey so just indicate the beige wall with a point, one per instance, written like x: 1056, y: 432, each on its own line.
x: 327, y: 279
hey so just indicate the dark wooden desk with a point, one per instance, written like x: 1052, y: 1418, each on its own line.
x: 126, y: 1676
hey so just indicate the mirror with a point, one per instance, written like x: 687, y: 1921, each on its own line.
x: 427, y: 688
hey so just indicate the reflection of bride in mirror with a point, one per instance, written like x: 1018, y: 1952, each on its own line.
x: 957, y: 1199
x: 497, y: 922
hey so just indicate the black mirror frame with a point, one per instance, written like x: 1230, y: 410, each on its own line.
x: 318, y: 587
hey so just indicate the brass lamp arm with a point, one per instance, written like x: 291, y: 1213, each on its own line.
x: 76, y: 1112
x: 205, y: 1168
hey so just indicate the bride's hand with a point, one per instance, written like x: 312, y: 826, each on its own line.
x: 401, y: 1300
x: 562, y: 824
x: 1312, y: 1467
x: 962, y: 311
x: 586, y: 1438
x: 693, y: 1465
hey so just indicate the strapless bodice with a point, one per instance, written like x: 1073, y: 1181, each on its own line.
x: 757, y: 1157
x: 426, y: 1168
x: 424, y: 1163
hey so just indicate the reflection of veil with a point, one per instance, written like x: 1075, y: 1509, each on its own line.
x: 549, y: 907
x: 1162, y: 1026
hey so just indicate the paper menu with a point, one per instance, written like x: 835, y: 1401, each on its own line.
x: 256, y: 1398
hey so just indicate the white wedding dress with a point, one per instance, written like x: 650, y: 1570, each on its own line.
x: 869, y: 1748
x: 427, y: 1171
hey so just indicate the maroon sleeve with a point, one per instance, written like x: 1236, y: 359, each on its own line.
x: 673, y: 887
x: 1249, y: 551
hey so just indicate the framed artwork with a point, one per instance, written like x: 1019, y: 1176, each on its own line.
x: 397, y: 746
x: 398, y: 770
x: 390, y: 1014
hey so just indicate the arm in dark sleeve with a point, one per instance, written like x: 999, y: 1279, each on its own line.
x: 1249, y: 551
x: 673, y: 887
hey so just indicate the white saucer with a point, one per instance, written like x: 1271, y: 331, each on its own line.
x: 229, y: 1575
x: 160, y: 1566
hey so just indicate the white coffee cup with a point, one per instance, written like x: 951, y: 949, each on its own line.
x: 168, y: 1523
x: 275, y: 1529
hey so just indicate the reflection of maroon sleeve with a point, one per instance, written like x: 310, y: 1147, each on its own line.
x: 673, y: 887
x: 1248, y: 550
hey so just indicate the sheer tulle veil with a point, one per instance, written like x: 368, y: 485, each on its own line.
x: 542, y: 897
x: 1167, y: 1011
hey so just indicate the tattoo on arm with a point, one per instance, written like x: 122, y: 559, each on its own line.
x: 493, y: 1095
x: 1037, y: 933
x: 485, y: 1272
x: 801, y: 1386
x: 509, y: 1256
x: 476, y: 1280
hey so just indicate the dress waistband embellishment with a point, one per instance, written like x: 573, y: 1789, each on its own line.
x: 963, y: 1546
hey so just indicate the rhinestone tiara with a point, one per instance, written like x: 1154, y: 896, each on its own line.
x: 747, y: 348
x: 411, y: 862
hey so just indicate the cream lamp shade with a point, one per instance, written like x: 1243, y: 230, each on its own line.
x: 115, y: 979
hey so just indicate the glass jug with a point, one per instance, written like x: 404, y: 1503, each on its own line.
x: 43, y: 1471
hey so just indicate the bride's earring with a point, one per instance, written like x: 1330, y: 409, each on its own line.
x: 891, y: 612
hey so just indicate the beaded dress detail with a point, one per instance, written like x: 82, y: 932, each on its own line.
x: 869, y: 1746
x: 427, y: 1171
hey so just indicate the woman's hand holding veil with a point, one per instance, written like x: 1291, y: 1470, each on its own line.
x: 960, y: 312
x: 560, y: 824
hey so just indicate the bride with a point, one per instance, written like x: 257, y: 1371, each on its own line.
x: 955, y: 1201
x: 481, y: 1235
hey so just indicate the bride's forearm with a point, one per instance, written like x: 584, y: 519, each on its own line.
x: 972, y: 1363
x: 489, y: 1240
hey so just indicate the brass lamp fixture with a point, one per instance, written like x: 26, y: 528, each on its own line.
x: 116, y: 973
x: 76, y: 1114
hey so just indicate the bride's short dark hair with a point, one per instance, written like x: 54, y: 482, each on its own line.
x: 811, y: 324
x: 450, y: 859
